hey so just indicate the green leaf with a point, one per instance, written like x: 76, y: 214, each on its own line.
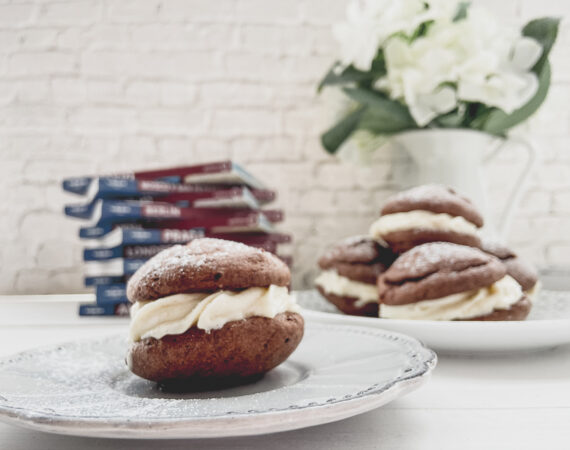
x: 544, y: 31
x: 461, y: 13
x: 498, y: 122
x: 391, y: 113
x: 348, y: 75
x: 335, y: 136
x: 454, y: 119
x: 379, y: 123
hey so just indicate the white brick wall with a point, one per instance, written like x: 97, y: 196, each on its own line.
x: 109, y: 85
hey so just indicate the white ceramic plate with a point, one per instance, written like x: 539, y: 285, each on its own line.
x: 84, y: 388
x: 548, y: 325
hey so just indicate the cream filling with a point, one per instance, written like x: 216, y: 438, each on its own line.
x: 465, y: 305
x: 333, y: 283
x: 533, y: 292
x: 425, y: 220
x: 176, y: 314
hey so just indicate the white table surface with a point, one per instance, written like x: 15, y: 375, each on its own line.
x: 519, y: 401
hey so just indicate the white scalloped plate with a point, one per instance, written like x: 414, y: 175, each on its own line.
x: 547, y: 326
x: 84, y: 388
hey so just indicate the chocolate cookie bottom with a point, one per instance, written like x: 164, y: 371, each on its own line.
x: 348, y: 304
x: 518, y: 311
x: 404, y: 240
x: 236, y: 352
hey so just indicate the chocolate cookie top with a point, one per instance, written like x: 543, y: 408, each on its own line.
x: 435, y: 270
x: 523, y: 273
x: 206, y: 265
x: 435, y: 198
x: 359, y: 258
x: 496, y: 248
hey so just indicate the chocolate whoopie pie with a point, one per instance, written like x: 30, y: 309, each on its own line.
x: 349, y: 273
x: 445, y: 281
x: 428, y: 213
x: 522, y: 272
x: 211, y: 312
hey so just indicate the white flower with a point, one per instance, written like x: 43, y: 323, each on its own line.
x: 473, y: 59
x: 371, y: 22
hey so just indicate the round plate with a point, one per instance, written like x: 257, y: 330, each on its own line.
x: 84, y: 388
x: 548, y: 325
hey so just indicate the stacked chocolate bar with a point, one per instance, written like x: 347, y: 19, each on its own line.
x: 129, y: 218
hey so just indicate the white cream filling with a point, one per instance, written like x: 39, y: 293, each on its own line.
x: 533, y: 292
x: 333, y: 283
x: 500, y: 295
x: 176, y: 314
x: 425, y: 220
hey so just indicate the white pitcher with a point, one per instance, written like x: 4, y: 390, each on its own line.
x: 456, y: 157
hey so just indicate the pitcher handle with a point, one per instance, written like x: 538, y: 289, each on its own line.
x: 513, y: 199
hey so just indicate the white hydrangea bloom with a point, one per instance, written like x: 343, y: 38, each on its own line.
x: 482, y: 61
x: 371, y: 22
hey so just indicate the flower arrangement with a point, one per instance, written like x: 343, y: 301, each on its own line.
x: 409, y: 64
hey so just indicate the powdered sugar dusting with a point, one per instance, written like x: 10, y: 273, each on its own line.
x: 84, y: 387
x: 426, y: 257
x: 433, y: 192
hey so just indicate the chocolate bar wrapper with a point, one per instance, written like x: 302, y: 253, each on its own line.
x: 224, y: 172
x: 111, y: 294
x: 234, y: 197
x: 93, y: 309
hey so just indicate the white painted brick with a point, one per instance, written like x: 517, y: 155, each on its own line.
x: 280, y: 40
x: 145, y: 93
x: 173, y: 65
x: 28, y: 39
x: 536, y: 202
x: 41, y: 63
x: 531, y: 9
x: 553, y: 119
x: 358, y: 201
x: 69, y: 13
x: 336, y: 176
x: 285, y: 175
x: 143, y: 84
x: 31, y: 281
x: 247, y: 122
x: 561, y: 203
x: 70, y: 91
x: 282, y: 148
x: 133, y: 11
x: 103, y: 119
x: 26, y: 194
x: 183, y: 36
x: 42, y: 170
x: 211, y: 149
x: 143, y: 147
x: 305, y: 121
x: 177, y: 94
x: 142, y: 93
x: 32, y: 91
x: 96, y: 37
x: 33, y: 118
x: 40, y: 226
x: 69, y: 281
x: 316, y: 201
x: 281, y: 69
x: 173, y: 121
x: 324, y: 12
x: 56, y: 254
x: 197, y: 10
x: 282, y: 12
x: 226, y: 94
x: 16, y: 15
x: 104, y: 92
x: 558, y: 253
